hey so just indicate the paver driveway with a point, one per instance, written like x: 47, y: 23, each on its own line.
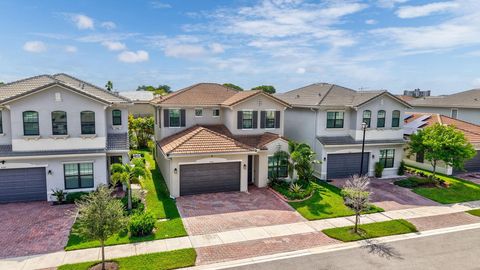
x: 34, y: 228
x: 217, y: 212
x: 391, y: 197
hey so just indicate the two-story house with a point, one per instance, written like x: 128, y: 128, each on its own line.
x: 329, y: 118
x: 58, y: 132
x: 211, y: 138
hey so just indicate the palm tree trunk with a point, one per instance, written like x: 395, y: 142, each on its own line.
x: 129, y: 194
x: 103, y: 254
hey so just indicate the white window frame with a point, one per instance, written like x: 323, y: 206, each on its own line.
x: 215, y: 109
x: 344, y: 120
x: 274, y: 118
x: 247, y: 110
x: 451, y: 113
x: 179, y: 120
x: 195, y: 112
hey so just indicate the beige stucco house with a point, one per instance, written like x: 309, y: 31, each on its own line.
x: 211, y: 138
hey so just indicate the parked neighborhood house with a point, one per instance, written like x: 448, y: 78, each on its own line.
x: 463, y: 105
x: 416, y: 121
x: 141, y: 103
x: 58, y: 132
x: 211, y: 138
x: 329, y: 118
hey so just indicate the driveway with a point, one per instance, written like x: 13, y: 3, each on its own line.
x: 226, y: 211
x: 470, y: 176
x: 391, y: 197
x: 34, y: 228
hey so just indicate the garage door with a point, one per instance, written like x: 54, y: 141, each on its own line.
x: 20, y: 185
x: 473, y: 165
x: 209, y: 178
x: 346, y: 165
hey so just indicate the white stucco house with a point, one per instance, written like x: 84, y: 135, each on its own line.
x: 141, y: 106
x: 58, y: 132
x: 211, y: 138
x: 329, y: 118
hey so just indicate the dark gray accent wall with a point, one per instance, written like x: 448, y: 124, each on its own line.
x: 277, y: 119
x: 182, y: 118
x: 255, y: 119
x: 263, y: 116
x: 239, y: 119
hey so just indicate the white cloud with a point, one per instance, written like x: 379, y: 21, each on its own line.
x: 216, y: 48
x: 34, y: 46
x: 82, y: 21
x: 184, y: 51
x: 114, y: 45
x: 371, y: 21
x: 408, y: 12
x: 71, y: 49
x: 390, y: 3
x: 98, y: 38
x: 133, y: 57
x: 301, y: 70
x: 160, y: 5
x: 109, y: 25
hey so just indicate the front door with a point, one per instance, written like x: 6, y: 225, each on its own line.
x: 250, y: 169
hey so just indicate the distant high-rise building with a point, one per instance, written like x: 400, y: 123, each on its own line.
x: 416, y: 93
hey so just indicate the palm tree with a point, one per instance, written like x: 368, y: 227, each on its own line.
x: 128, y: 174
x: 109, y: 86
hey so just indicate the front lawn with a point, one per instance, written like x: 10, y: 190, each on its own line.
x: 153, y: 261
x: 458, y: 190
x: 157, y: 200
x: 371, y: 230
x: 326, y: 202
x: 475, y: 212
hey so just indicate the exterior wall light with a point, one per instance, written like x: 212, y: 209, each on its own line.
x: 175, y: 171
x: 50, y: 172
x: 244, y: 166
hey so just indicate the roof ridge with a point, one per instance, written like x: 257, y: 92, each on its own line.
x: 175, y: 93
x: 326, y: 94
x: 90, y: 84
x: 26, y: 79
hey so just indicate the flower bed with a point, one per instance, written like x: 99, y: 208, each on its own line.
x: 284, y: 189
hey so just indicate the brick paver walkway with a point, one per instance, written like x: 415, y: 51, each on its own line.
x: 34, y: 228
x: 391, y: 197
x: 242, y: 250
x: 217, y: 212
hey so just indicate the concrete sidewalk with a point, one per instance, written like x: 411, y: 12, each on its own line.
x: 227, y: 237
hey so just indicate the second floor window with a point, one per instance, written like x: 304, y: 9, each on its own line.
x: 247, y: 120
x: 270, y: 119
x: 335, y: 119
x: 174, y: 118
x: 381, y: 119
x: 198, y: 112
x: 395, y: 118
x: 117, y: 117
x: 367, y: 117
x: 59, y: 123
x: 30, y: 123
x: 454, y: 113
x: 216, y: 112
x: 87, y: 119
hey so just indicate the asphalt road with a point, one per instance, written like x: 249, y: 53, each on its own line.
x: 457, y: 250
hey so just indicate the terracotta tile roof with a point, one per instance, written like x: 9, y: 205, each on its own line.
x: 243, y: 95
x: 406, y: 98
x: 202, y: 94
x: 201, y: 140
x: 19, y: 88
x: 214, y: 139
x: 421, y: 120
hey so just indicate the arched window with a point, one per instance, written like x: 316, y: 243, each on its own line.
x: 30, y: 123
x: 395, y: 118
x: 87, y: 119
x: 59, y: 123
x: 367, y: 117
x: 381, y: 119
x: 117, y: 117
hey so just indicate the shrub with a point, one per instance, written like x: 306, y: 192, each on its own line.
x: 59, y: 194
x: 413, y: 182
x: 378, y: 170
x: 141, y: 224
x: 73, y: 197
x: 302, y: 189
x: 137, y: 205
x: 401, y: 169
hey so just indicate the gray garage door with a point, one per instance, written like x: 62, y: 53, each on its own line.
x: 473, y: 165
x: 20, y: 185
x: 209, y: 178
x: 346, y: 165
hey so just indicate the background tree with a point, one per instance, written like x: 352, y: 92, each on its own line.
x: 162, y: 89
x: 441, y: 143
x: 142, y: 128
x: 109, y: 86
x: 302, y: 159
x: 233, y: 86
x: 357, y: 196
x: 2, y: 83
x: 266, y: 88
x: 100, y: 216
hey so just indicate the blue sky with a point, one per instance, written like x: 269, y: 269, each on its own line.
x: 371, y: 44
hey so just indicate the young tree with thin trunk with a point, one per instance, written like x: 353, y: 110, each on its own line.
x: 356, y: 196
x: 100, y: 216
x: 441, y: 143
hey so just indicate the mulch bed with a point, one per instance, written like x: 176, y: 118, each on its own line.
x: 108, y: 266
